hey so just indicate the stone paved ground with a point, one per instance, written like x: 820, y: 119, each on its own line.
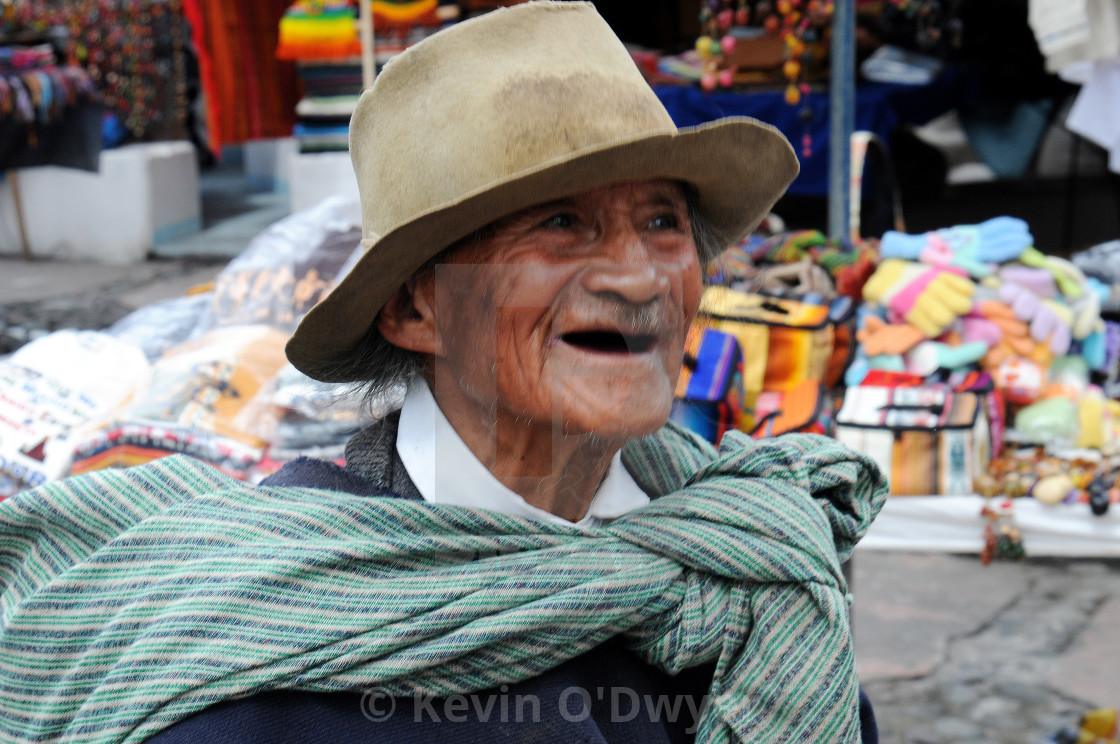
x: 952, y: 652
x: 38, y: 297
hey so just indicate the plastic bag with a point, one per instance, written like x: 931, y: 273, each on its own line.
x: 53, y: 389
x: 316, y: 419
x: 287, y: 268
x: 212, y: 383
x: 208, y: 398
x: 157, y: 327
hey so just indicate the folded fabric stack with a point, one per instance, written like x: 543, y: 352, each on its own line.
x: 126, y: 444
x: 322, y: 37
x: 331, y: 90
x: 319, y: 29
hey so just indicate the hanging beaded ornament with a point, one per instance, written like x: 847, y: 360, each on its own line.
x: 133, y: 49
x: 801, y: 28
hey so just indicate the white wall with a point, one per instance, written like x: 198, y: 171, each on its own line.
x: 142, y: 195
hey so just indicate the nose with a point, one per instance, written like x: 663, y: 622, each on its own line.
x: 636, y: 283
x: 628, y: 270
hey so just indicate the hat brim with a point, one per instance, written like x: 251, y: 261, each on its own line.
x: 739, y: 167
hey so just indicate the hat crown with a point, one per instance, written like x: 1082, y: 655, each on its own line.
x: 490, y: 99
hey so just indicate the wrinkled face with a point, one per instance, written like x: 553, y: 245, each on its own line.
x: 570, y: 315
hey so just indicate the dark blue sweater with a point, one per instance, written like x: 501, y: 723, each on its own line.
x: 605, y: 696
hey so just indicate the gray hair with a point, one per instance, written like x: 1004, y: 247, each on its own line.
x: 379, y: 366
x: 710, y: 240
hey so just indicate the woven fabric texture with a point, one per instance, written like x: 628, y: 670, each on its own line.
x: 131, y: 599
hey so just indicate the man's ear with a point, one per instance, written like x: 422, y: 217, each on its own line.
x: 408, y: 319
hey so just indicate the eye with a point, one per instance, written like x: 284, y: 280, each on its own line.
x: 559, y: 221
x: 667, y: 221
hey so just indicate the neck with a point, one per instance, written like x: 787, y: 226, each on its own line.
x: 557, y: 472
x: 552, y: 471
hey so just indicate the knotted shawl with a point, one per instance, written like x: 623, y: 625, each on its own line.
x: 133, y: 598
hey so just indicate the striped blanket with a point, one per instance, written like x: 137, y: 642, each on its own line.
x: 130, y: 599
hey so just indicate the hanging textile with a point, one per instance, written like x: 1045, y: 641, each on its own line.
x: 49, y: 114
x: 404, y: 13
x: 249, y: 93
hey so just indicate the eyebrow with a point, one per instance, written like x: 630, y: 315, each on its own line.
x: 669, y: 195
x: 546, y: 206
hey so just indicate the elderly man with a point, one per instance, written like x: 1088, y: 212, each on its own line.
x: 525, y: 551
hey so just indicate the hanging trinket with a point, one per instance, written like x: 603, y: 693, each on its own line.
x: 727, y: 23
x: 133, y: 50
x: 1002, y: 538
x: 805, y: 114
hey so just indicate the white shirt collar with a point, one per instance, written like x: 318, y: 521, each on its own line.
x: 445, y: 471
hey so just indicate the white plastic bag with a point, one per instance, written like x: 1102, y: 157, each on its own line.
x: 52, y: 390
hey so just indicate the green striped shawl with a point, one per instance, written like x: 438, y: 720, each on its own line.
x: 133, y: 598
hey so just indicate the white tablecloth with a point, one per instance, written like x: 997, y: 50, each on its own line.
x: 952, y: 524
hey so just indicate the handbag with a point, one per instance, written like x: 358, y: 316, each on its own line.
x: 806, y: 408
x: 928, y: 440
x: 708, y: 396
x: 784, y: 342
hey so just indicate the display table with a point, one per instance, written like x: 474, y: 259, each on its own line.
x: 952, y: 524
x: 880, y: 108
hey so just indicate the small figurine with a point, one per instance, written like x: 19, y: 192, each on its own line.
x: 1002, y: 539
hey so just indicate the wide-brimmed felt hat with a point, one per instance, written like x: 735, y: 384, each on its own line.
x: 517, y: 107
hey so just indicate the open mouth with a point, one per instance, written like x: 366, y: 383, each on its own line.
x: 610, y: 342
